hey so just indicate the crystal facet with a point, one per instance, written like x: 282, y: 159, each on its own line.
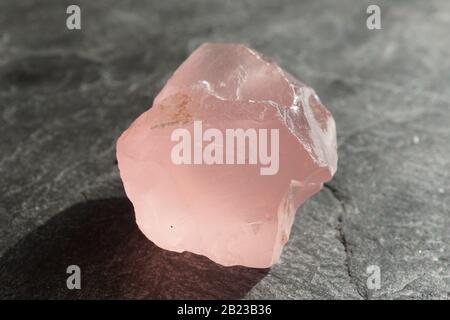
x: 230, y: 199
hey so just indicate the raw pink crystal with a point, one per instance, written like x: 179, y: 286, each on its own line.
x: 232, y: 213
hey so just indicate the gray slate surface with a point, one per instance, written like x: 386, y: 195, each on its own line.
x: 65, y: 96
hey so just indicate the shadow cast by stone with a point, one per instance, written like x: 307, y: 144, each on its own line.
x: 116, y: 261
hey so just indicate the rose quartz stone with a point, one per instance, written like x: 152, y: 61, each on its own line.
x: 230, y: 213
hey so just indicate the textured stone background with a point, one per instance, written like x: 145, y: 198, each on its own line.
x: 66, y: 95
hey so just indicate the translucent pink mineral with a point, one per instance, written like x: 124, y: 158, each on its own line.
x: 231, y: 147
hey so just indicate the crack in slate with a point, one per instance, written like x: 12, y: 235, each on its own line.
x: 342, y: 199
